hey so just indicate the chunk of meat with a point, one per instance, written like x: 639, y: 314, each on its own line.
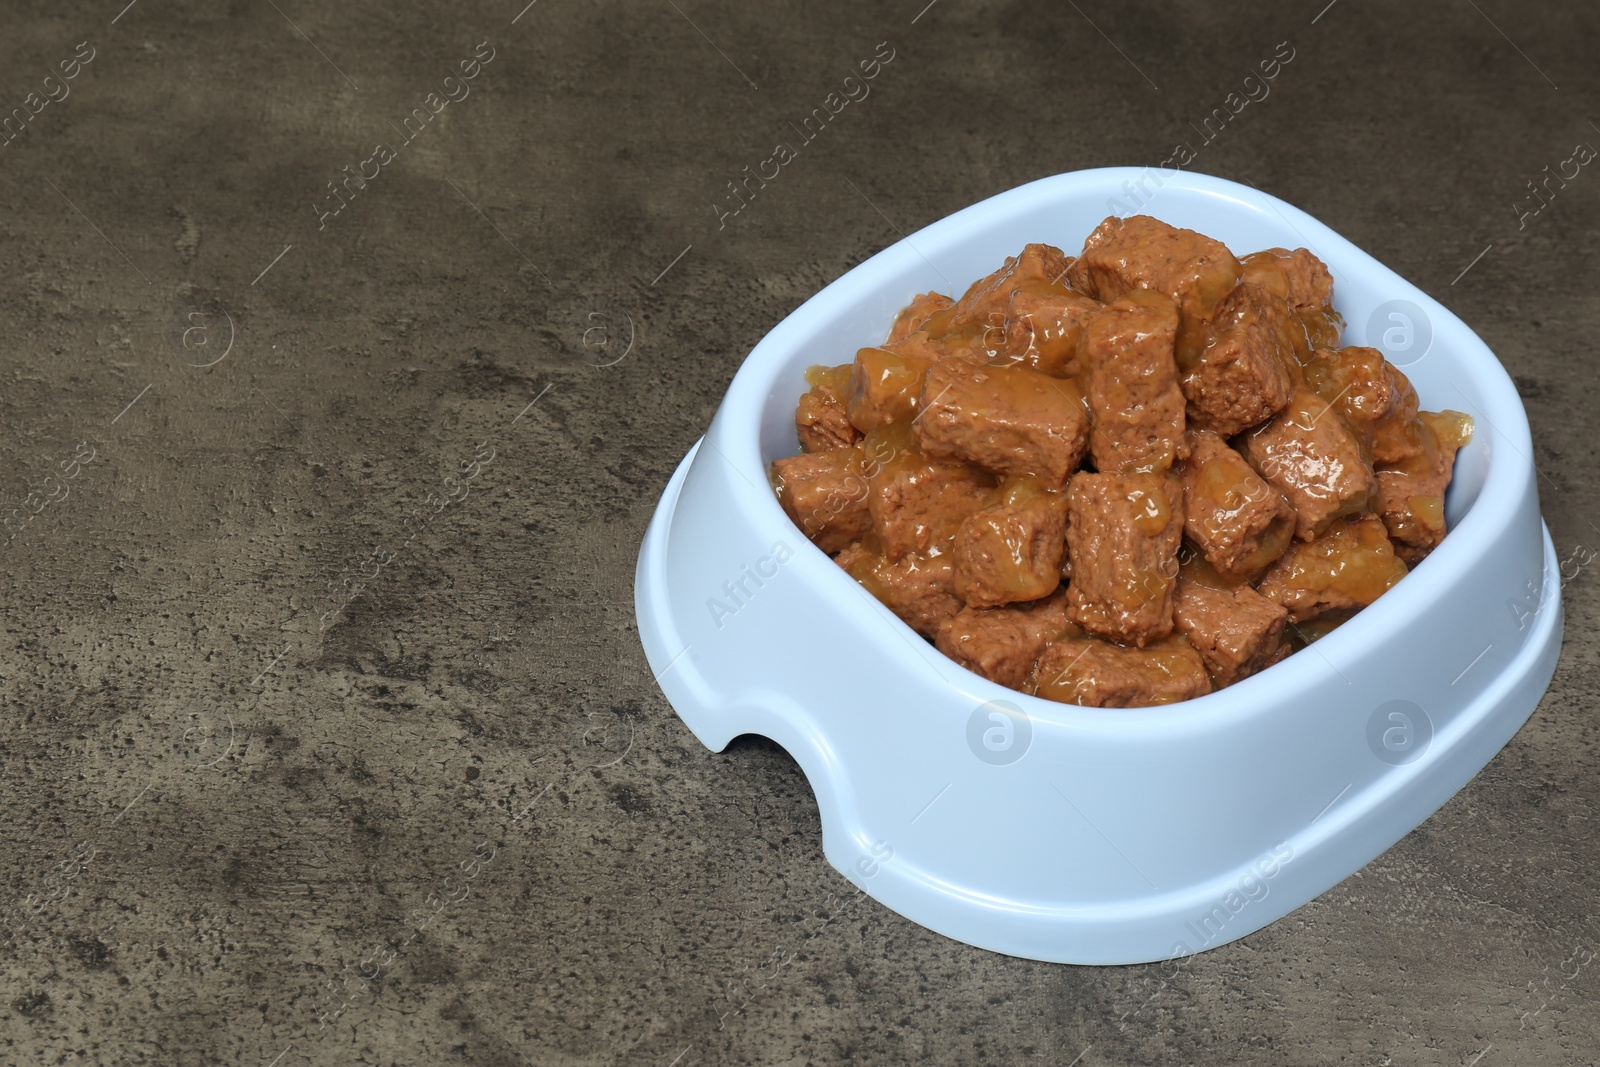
x: 1348, y: 566
x: 1130, y: 381
x: 1302, y: 281
x: 1394, y: 437
x: 975, y: 326
x: 1123, y: 533
x: 917, y: 587
x: 1248, y: 370
x: 1094, y: 673
x: 1011, y: 551
x: 1140, y: 252
x: 825, y: 494
x: 1002, y: 643
x: 918, y: 502
x: 915, y: 315
x: 1011, y: 420
x: 820, y: 419
x: 920, y: 345
x: 1043, y: 325
x: 1366, y: 389
x: 884, y: 386
x: 1411, y: 494
x: 1309, y: 454
x: 1040, y: 262
x: 1239, y: 522
x: 991, y: 294
x: 1298, y: 277
x: 1236, y: 630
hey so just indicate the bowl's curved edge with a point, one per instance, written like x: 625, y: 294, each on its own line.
x: 713, y: 722
x: 664, y: 650
x: 1329, y: 858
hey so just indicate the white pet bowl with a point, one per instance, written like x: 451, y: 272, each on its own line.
x: 1085, y: 835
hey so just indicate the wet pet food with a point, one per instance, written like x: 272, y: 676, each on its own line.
x: 1124, y: 478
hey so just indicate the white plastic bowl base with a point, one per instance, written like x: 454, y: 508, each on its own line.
x: 1087, y: 835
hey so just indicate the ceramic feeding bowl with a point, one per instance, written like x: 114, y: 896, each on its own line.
x: 1079, y: 834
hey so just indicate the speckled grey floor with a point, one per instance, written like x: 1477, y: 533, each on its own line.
x: 326, y: 733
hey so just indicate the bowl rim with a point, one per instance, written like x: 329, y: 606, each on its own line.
x: 736, y: 437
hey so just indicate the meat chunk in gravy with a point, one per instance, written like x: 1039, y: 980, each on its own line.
x: 1303, y: 282
x: 1123, y: 534
x: 825, y: 494
x: 885, y: 385
x: 1394, y: 438
x: 1239, y: 522
x: 1011, y: 551
x: 918, y: 587
x: 820, y: 419
x: 918, y: 502
x: 1140, y: 252
x: 1043, y: 325
x: 1313, y: 457
x: 1298, y: 278
x: 1010, y: 420
x: 1087, y: 671
x: 977, y: 320
x: 1130, y: 381
x: 915, y: 315
x: 1248, y: 370
x: 1411, y: 494
x: 1348, y: 566
x: 1236, y: 630
x: 1366, y: 390
x: 1002, y: 643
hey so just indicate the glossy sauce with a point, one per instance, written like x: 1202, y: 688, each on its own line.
x: 1017, y: 562
x: 1265, y: 268
x: 889, y: 445
x: 1315, y: 471
x: 1349, y: 558
x: 873, y: 570
x: 1302, y: 634
x: 915, y: 315
x: 1172, y: 656
x: 848, y: 462
x: 1321, y: 326
x: 1228, y: 487
x: 981, y: 342
x: 1211, y: 283
x: 1054, y: 329
x: 1021, y: 508
x: 1151, y: 510
x: 1435, y: 436
x: 1323, y: 329
x: 1453, y: 428
x: 819, y: 376
x: 1273, y: 543
x: 1021, y: 490
x: 884, y: 387
x: 1197, y: 569
x: 892, y: 456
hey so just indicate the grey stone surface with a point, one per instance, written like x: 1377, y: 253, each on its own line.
x: 310, y: 758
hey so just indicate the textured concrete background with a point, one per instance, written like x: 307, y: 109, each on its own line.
x: 326, y: 734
